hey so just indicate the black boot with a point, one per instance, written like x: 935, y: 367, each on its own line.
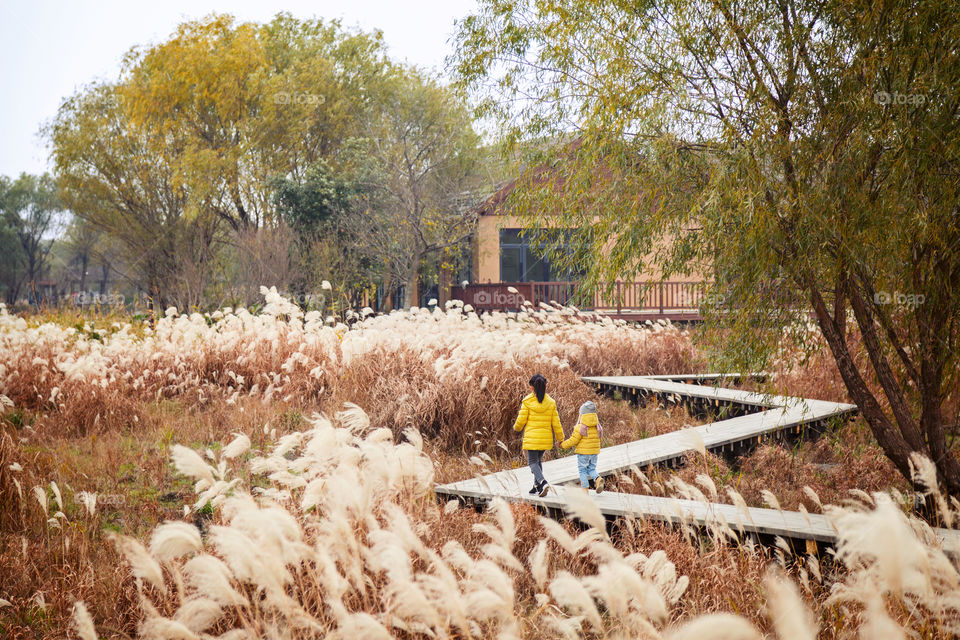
x: 544, y: 487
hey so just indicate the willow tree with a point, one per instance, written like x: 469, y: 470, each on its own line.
x: 118, y: 178
x: 804, y: 152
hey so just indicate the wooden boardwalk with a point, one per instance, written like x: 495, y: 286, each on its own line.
x: 803, y: 532
x: 757, y: 416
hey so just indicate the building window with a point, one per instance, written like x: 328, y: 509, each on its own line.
x: 521, y: 259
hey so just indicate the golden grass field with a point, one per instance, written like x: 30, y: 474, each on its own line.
x: 269, y: 475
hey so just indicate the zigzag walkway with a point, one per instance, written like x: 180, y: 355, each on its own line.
x: 757, y: 416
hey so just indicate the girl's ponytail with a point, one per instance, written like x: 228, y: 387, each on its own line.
x: 539, y: 384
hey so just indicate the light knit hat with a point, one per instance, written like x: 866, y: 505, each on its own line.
x: 585, y: 408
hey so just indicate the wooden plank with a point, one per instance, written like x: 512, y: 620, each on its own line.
x: 670, y: 446
x: 787, y: 524
x: 661, y: 384
x: 769, y: 414
x: 790, y: 525
x: 654, y: 450
x: 705, y: 376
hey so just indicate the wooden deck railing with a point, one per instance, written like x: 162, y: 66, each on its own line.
x: 657, y: 296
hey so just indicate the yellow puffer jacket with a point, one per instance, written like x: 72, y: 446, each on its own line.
x: 539, y: 422
x: 588, y: 444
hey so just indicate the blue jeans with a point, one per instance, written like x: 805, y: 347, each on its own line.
x: 535, y: 460
x: 587, y: 466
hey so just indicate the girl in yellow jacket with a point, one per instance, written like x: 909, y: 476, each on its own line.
x: 586, y: 438
x: 540, y: 424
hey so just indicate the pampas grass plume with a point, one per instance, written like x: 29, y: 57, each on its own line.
x: 810, y: 493
x: 354, y: 418
x: 157, y: 628
x: 692, y: 440
x: 708, y: 485
x: 211, y: 577
x: 770, y: 500
x: 174, y: 539
x: 189, y: 463
x: 787, y: 610
x: 41, y: 495
x: 82, y: 622
x: 540, y: 564
x: 570, y: 593
x: 237, y: 447
x: 56, y: 495
x: 716, y: 626
x: 143, y: 565
x: 199, y: 614
x: 585, y: 508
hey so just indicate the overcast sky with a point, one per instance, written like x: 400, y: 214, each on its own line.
x: 49, y: 49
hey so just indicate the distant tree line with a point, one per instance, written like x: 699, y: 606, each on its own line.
x: 29, y: 216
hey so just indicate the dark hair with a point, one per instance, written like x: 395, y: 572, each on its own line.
x: 539, y: 386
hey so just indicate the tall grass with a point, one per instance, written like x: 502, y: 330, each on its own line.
x: 456, y: 373
x: 294, y: 527
x: 337, y: 539
x: 338, y: 543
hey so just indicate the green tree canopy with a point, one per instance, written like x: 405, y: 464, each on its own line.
x: 308, y: 204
